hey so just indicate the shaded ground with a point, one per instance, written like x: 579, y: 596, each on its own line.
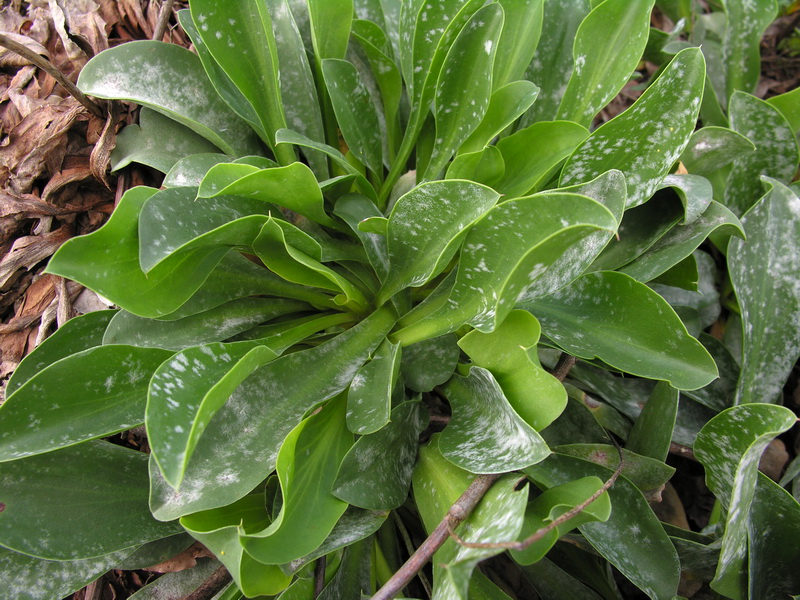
x: 54, y: 185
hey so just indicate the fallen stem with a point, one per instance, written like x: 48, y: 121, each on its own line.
x: 319, y: 575
x: 410, y: 549
x: 456, y: 514
x: 543, y: 531
x: 562, y: 368
x: 163, y: 19
x: 211, y: 586
x: 48, y: 67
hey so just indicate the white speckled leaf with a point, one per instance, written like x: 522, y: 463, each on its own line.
x: 741, y: 56
x: 157, y: 141
x: 506, y: 104
x: 369, y: 399
x: 355, y: 113
x: 730, y: 446
x: 174, y: 586
x: 79, y: 502
x: 376, y: 472
x: 213, y: 325
x: 695, y: 192
x: 533, y: 154
x: 632, y: 539
x: 114, y: 270
x: 186, y: 391
x: 712, y: 148
x: 353, y: 209
x: 509, y: 444
x: 613, y: 317
x: 458, y: 106
x: 645, y: 141
x: 239, y: 37
x: 608, y: 45
x: 680, y: 241
x: 764, y: 272
x: 776, y: 153
x: 774, y: 528
x: 426, y: 228
x: 190, y: 170
x: 27, y: 578
x: 218, y: 530
x: 552, y: 63
x: 306, y: 465
x: 170, y: 79
x: 90, y: 394
x: 506, y: 253
x: 509, y: 352
x: 241, y: 442
x: 77, y: 334
x: 294, y: 187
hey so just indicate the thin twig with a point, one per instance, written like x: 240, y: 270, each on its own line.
x: 410, y: 549
x: 454, y: 517
x: 319, y: 575
x: 163, y: 19
x: 543, y: 531
x: 46, y: 66
x: 562, y: 368
x: 211, y: 586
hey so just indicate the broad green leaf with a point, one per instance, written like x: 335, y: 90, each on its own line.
x: 680, y: 241
x: 160, y: 76
x: 376, y: 472
x: 155, y: 552
x: 506, y: 104
x: 180, y: 583
x: 287, y: 136
x: 218, y: 529
x: 293, y: 187
x: 482, y: 588
x: 87, y: 395
x: 774, y: 527
x: 763, y: 271
x: 213, y: 325
x: 608, y: 45
x: 695, y: 192
x: 354, y: 576
x: 355, y: 524
x: 301, y: 105
x: 553, y: 503
x: 719, y: 394
x: 776, y: 153
x: 712, y: 148
x: 741, y: 56
x: 626, y: 325
x: 510, y: 353
x: 429, y: 363
x: 652, y: 432
x: 259, y: 415
x: 505, y: 254
x: 354, y: 209
x: 306, y: 465
x: 231, y: 31
x: 355, y: 113
x: 186, y: 391
x: 552, y: 63
x: 577, y: 424
x: 485, y: 166
x: 76, y: 335
x: 190, y: 170
x: 27, y: 578
x: 533, y: 154
x: 415, y: 254
x: 644, y: 141
x: 221, y: 176
x: 644, y: 472
x: 114, y: 270
x: 632, y: 539
x: 226, y: 89
x: 157, y: 141
x: 369, y: 399
x: 730, y: 447
x: 787, y: 103
x: 330, y: 22
x: 522, y: 28
x: 610, y: 191
x: 509, y: 444
x: 460, y: 107
x: 101, y: 505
